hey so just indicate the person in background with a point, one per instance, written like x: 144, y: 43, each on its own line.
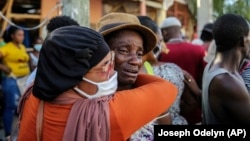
x: 211, y: 52
x: 15, y: 65
x: 225, y: 99
x: 2, y: 43
x: 60, y: 21
x: 74, y: 93
x: 190, y: 58
x: 206, y: 36
x: 54, y: 23
x: 37, y: 45
x: 245, y: 71
x: 168, y: 71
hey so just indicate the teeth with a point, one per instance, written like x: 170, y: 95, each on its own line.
x: 132, y: 71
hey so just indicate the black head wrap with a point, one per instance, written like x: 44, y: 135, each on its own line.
x: 67, y: 54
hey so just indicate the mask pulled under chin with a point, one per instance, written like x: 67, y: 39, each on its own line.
x: 105, y: 88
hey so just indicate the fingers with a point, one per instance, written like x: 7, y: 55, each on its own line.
x: 187, y: 77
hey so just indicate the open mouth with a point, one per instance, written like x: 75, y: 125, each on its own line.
x: 130, y: 72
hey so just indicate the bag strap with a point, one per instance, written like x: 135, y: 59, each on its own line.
x: 39, y: 121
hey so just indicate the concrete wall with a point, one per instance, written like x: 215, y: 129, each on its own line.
x: 204, y: 13
x: 96, y: 11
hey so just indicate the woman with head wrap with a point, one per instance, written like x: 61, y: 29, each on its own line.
x: 74, y: 98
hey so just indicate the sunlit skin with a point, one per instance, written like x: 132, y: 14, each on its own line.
x: 99, y: 73
x: 128, y: 48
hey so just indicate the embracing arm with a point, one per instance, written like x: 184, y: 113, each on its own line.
x: 131, y: 109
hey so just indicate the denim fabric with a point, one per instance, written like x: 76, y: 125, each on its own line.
x: 11, y: 95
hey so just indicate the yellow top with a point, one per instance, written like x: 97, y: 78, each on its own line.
x: 16, y: 59
x: 148, y: 68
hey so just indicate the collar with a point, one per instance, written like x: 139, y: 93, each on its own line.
x: 175, y: 40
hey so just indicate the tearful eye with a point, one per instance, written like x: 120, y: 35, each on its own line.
x: 123, y: 51
x: 106, y: 63
x: 140, y: 54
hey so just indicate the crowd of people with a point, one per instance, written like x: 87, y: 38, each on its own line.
x: 117, y: 81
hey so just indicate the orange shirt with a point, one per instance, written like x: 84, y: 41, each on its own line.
x: 129, y: 110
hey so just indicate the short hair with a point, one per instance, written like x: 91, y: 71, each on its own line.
x: 148, y: 22
x: 10, y: 31
x: 60, y: 21
x: 228, y: 30
x: 206, y: 36
x: 207, y: 32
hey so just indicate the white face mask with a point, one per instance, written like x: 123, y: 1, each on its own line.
x: 38, y: 47
x: 104, y: 88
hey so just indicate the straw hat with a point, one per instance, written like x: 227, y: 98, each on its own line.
x: 116, y: 21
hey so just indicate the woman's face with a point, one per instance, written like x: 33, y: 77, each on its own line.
x: 153, y: 55
x: 128, y: 48
x: 157, y: 50
x: 18, y: 36
x: 103, y: 70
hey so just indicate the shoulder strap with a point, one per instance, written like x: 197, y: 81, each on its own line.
x: 206, y: 108
x: 39, y: 121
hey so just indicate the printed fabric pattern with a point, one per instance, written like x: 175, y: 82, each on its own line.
x: 173, y: 74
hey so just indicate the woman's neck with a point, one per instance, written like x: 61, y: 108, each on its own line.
x: 176, y: 40
x: 16, y: 44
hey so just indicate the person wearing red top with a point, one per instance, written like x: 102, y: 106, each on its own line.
x: 186, y: 55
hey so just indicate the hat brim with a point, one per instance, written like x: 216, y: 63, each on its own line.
x: 149, y: 38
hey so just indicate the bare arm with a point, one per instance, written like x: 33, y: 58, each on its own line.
x: 191, y: 84
x: 3, y: 67
x: 229, y: 99
x: 165, y: 120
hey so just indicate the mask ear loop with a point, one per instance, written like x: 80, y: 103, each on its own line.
x: 110, y: 65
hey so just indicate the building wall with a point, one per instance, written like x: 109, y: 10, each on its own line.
x: 182, y: 12
x: 46, y: 7
x: 96, y: 12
